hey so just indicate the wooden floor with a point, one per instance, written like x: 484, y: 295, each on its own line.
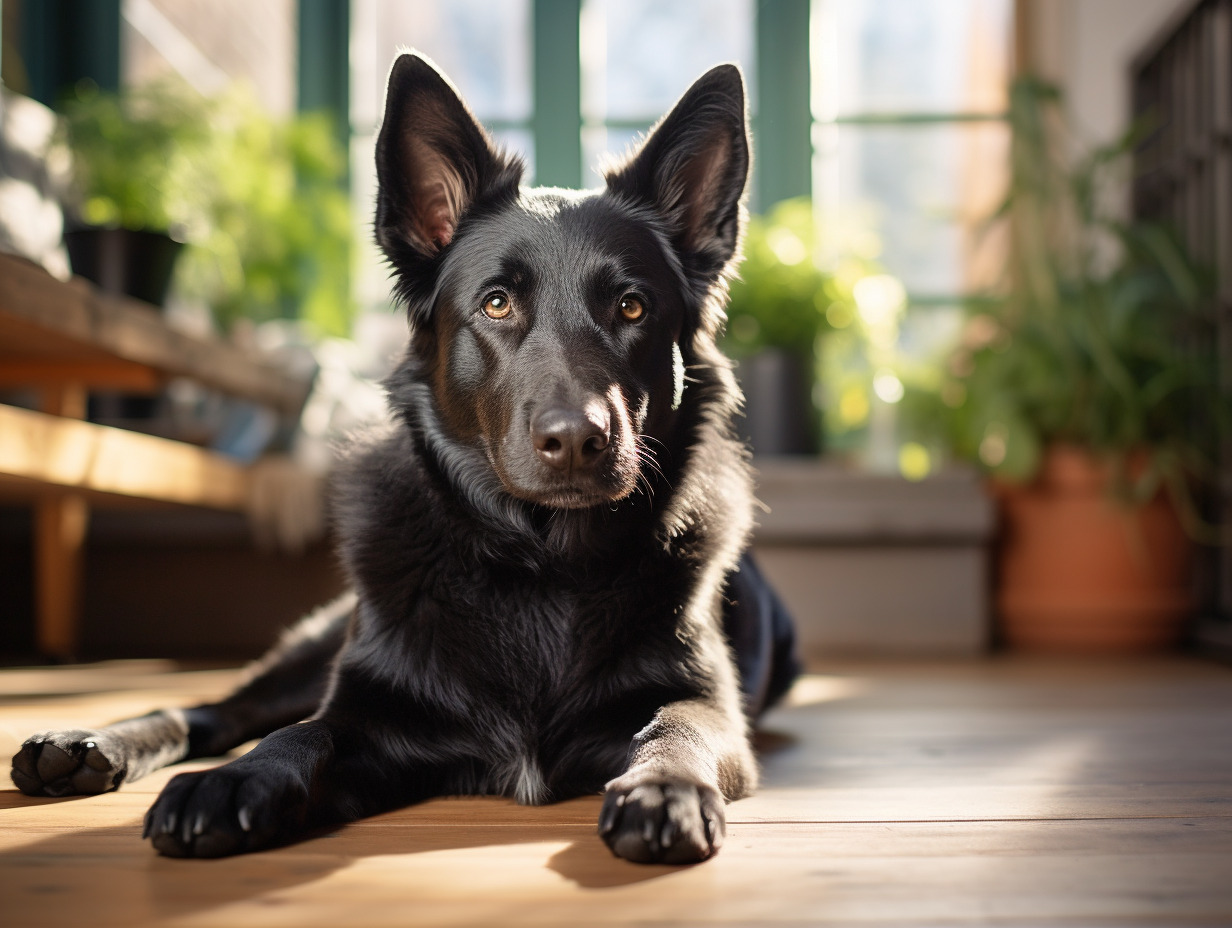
x: 1002, y: 792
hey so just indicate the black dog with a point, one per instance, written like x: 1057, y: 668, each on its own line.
x: 546, y: 540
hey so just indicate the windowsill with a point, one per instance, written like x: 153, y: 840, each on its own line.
x: 877, y: 565
x: 821, y: 502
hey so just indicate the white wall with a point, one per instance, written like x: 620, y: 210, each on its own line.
x: 1087, y: 46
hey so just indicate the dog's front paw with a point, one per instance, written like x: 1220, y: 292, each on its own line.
x: 670, y: 823
x: 227, y: 810
x: 70, y: 763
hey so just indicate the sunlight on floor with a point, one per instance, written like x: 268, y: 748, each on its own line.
x: 812, y: 689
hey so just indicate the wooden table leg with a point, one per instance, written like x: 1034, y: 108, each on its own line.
x: 59, y: 532
x: 60, y: 522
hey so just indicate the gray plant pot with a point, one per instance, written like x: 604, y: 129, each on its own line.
x: 779, y: 416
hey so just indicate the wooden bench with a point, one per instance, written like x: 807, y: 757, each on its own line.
x: 65, y: 339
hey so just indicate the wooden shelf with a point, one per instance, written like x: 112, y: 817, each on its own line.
x: 77, y: 455
x: 64, y: 339
x: 47, y: 325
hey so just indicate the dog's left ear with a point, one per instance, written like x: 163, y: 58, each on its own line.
x: 692, y: 170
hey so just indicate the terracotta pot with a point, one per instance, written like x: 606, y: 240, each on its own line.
x: 1082, y: 572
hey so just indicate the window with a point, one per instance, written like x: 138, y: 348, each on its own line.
x: 210, y: 43
x: 639, y: 56
x: 906, y: 101
x: 909, y: 101
x: 910, y: 161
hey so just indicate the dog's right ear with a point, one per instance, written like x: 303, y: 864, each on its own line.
x: 433, y: 163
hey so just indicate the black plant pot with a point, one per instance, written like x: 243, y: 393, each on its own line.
x: 129, y: 262
x: 126, y: 262
x: 779, y: 416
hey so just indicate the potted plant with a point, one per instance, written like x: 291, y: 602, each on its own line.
x: 776, y: 313
x: 139, y: 181
x: 1090, y: 394
x: 261, y: 204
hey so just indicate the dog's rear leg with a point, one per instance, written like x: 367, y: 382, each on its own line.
x: 283, y: 687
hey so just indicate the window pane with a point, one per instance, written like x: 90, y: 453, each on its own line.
x: 483, y: 46
x: 210, y: 43
x: 521, y: 142
x: 895, y: 56
x: 639, y: 56
x: 601, y: 146
x: 924, y: 191
x: 372, y: 276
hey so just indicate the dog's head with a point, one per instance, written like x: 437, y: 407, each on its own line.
x: 551, y: 329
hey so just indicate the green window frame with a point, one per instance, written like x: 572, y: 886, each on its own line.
x: 782, y: 126
x: 64, y: 41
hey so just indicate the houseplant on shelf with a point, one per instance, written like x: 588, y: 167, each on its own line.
x: 139, y: 178
x: 775, y: 314
x: 1090, y: 393
x: 259, y: 202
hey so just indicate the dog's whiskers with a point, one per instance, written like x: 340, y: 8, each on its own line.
x: 648, y: 461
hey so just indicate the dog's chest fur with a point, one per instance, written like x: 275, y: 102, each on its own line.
x: 526, y: 658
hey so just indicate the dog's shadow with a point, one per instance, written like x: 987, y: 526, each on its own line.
x: 112, y: 869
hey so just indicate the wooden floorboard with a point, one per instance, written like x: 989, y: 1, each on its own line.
x: 1003, y: 792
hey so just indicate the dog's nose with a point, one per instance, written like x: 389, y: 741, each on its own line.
x: 568, y: 438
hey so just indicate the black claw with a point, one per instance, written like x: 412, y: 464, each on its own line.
x: 667, y: 837
x: 607, y: 817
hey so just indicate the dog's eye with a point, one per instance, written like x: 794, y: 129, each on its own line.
x: 631, y: 308
x: 497, y: 306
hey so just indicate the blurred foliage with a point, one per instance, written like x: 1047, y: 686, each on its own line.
x: 852, y: 351
x: 138, y: 160
x: 261, y: 203
x: 784, y: 299
x: 1104, y: 337
x: 779, y: 298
